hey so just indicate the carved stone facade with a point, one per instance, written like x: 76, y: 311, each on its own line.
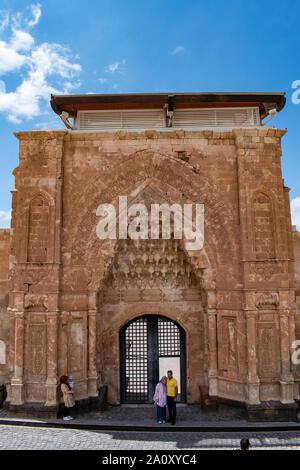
x: 296, y: 243
x: 71, y: 293
x: 4, y: 317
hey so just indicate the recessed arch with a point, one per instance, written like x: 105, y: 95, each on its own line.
x: 148, y: 169
x: 183, y: 300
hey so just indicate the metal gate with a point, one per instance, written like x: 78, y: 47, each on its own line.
x: 149, y: 347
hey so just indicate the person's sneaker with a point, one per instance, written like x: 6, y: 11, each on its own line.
x: 159, y: 422
x: 66, y: 418
x: 70, y: 417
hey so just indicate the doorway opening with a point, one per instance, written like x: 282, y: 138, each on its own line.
x: 150, y: 346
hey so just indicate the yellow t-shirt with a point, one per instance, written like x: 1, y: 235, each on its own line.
x: 171, y: 385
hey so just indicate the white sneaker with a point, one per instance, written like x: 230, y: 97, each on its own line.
x: 70, y: 417
x: 66, y: 418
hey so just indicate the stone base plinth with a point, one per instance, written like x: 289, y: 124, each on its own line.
x: 39, y: 410
x: 231, y: 408
x: 262, y: 412
x: 272, y: 411
x: 32, y: 410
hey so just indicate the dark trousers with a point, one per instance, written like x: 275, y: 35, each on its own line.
x: 172, y: 409
x: 66, y: 411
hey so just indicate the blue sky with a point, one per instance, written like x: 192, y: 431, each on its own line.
x: 105, y: 46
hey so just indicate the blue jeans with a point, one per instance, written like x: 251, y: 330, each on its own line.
x: 161, y: 413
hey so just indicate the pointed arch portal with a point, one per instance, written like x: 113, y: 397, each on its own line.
x: 150, y: 346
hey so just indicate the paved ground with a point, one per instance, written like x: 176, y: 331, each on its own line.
x: 16, y: 437
x: 146, y: 415
x: 28, y: 438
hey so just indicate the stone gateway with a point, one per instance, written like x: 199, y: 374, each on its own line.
x: 121, y: 312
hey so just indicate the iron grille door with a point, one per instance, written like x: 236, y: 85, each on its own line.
x: 171, y: 345
x: 143, y: 343
x: 134, y: 362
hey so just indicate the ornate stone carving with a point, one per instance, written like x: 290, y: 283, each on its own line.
x: 175, y: 184
x: 35, y: 278
x: 228, y: 346
x: 149, y: 264
x: 229, y: 299
x: 2, y: 352
x: 268, y: 351
x: 38, y: 229
x: 33, y: 301
x: 263, y: 226
x: 267, y: 300
x: 37, y: 361
x: 264, y: 270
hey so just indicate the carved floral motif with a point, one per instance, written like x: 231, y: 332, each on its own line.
x: 32, y: 301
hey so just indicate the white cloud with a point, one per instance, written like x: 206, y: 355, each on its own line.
x: 46, y: 68
x: 36, y: 13
x: 4, y: 22
x: 5, y: 217
x: 69, y: 86
x: 115, y: 66
x: 178, y: 50
x: 10, y: 59
x: 21, y: 40
x: 295, y: 210
x: 102, y: 80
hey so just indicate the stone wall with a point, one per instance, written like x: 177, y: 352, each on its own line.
x: 296, y: 242
x: 4, y: 318
x: 72, y: 293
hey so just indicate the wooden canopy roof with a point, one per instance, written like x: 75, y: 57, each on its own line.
x: 74, y: 103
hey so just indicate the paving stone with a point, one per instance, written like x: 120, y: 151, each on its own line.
x: 24, y: 438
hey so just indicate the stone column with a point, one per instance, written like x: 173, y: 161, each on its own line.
x: 213, y: 352
x: 17, y: 383
x: 293, y: 366
x: 253, y: 380
x: 92, y: 369
x: 51, y: 383
x: 209, y: 285
x: 286, y: 378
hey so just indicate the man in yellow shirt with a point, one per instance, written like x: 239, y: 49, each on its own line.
x: 172, y: 392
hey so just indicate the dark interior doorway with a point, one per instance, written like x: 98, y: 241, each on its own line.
x: 149, y: 346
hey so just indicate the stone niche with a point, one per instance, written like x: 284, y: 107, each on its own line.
x: 151, y: 277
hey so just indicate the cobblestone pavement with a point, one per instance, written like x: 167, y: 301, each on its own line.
x: 28, y: 438
x: 16, y: 437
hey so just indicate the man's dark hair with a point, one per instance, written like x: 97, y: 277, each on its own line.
x: 170, y: 371
x: 245, y: 444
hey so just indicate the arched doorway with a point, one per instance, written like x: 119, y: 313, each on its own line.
x: 149, y: 346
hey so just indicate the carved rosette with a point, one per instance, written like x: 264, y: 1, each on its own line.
x: 266, y: 271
